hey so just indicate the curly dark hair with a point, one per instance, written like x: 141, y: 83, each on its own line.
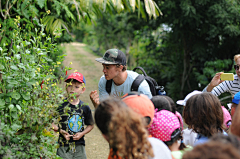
x: 125, y: 130
x: 203, y: 114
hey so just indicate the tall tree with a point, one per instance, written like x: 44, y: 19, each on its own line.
x: 200, y: 31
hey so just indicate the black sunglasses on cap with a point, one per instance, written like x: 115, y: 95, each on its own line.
x: 236, y: 67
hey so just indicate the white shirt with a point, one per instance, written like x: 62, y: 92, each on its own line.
x: 160, y: 150
x: 119, y: 91
x: 189, y: 137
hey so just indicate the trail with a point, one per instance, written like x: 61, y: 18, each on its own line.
x: 84, y: 62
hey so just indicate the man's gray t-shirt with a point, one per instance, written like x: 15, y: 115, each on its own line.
x: 119, y: 91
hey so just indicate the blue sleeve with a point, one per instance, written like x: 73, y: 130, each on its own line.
x: 103, y: 94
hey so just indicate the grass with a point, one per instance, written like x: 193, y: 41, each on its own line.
x: 88, y: 49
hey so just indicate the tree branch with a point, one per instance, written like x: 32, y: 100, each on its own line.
x: 79, y: 16
x: 1, y: 9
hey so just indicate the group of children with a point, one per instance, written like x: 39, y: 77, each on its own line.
x: 139, y: 128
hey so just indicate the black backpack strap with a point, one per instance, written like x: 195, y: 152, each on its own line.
x: 138, y: 80
x: 145, y: 74
x: 109, y: 86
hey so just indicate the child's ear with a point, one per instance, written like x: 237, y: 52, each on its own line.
x: 83, y: 89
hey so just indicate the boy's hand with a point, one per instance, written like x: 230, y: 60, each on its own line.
x: 65, y: 134
x: 94, y: 98
x: 77, y: 136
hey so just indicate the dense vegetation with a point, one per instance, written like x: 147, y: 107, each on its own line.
x: 31, y: 69
x: 182, y: 49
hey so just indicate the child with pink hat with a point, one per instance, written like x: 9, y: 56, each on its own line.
x: 227, y: 119
x: 166, y: 127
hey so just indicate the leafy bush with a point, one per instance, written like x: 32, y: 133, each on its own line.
x: 29, y: 95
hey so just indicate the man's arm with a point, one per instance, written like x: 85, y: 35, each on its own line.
x: 216, y: 80
x: 103, y: 94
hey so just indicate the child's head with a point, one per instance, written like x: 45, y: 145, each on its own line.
x: 162, y: 102
x: 75, y: 84
x: 227, y: 119
x: 227, y: 139
x: 141, y: 104
x: 123, y: 128
x: 212, y: 150
x: 166, y: 127
x: 203, y: 113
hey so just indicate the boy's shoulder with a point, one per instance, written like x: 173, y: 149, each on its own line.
x: 84, y: 105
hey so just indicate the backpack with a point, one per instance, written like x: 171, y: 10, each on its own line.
x: 154, y: 88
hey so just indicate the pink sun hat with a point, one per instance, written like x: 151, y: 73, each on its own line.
x: 180, y: 119
x: 226, y: 117
x: 164, y: 124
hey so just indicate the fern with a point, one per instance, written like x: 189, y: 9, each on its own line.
x: 41, y: 3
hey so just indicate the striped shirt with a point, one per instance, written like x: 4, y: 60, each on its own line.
x: 227, y: 86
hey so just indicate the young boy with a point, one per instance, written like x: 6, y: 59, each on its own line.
x: 74, y: 114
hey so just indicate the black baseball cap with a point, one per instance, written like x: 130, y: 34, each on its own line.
x: 113, y: 56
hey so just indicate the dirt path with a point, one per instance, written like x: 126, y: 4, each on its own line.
x: 84, y: 62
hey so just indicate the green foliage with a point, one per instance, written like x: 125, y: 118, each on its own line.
x: 198, y: 39
x: 211, y: 68
x: 29, y: 95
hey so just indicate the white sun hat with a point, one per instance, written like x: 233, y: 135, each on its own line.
x: 183, y: 102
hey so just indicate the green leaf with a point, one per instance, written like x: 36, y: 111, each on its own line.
x: 25, y: 13
x: 14, y: 67
x: 21, y: 66
x: 2, y: 102
x: 14, y: 114
x: 26, y: 96
x: 15, y: 127
x: 15, y: 140
x: 58, y: 7
x: 41, y: 3
x: 32, y: 81
x: 11, y: 106
x: 18, y: 107
x: 12, y: 82
x: 1, y: 67
x: 15, y: 95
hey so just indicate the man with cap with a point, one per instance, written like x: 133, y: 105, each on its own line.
x: 120, y: 79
